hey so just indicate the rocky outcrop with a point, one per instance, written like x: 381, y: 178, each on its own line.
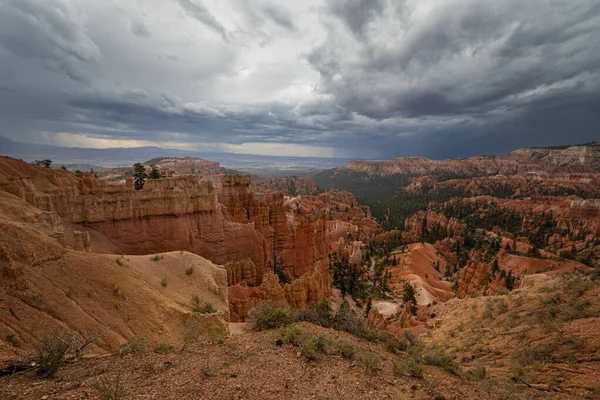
x: 167, y: 167
x: 82, y: 241
x: 241, y: 271
x: 473, y: 279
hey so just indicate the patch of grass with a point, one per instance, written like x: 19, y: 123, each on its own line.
x: 408, y: 366
x: 346, y: 348
x: 189, y: 270
x: 110, y: 390
x: 201, y: 307
x: 133, y: 346
x: 163, y: 282
x: 156, y: 257
x: 372, y: 363
x: 163, y: 348
x: 268, y: 317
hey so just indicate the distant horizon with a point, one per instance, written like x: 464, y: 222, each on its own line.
x: 207, y: 152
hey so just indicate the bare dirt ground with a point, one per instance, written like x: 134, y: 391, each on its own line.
x: 252, y: 366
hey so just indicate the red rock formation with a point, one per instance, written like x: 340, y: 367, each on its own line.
x: 473, y: 279
x: 253, y: 232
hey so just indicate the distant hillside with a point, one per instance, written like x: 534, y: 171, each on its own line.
x: 587, y: 154
x: 394, y: 189
x: 256, y: 165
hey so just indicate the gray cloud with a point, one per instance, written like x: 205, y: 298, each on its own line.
x: 196, y: 10
x: 357, y: 14
x: 279, y: 15
x: 49, y: 33
x: 368, y: 79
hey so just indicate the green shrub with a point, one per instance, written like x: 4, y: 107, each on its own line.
x: 312, y: 346
x: 372, y: 363
x: 346, y: 348
x: 189, y: 270
x: 163, y: 348
x: 408, y: 366
x: 292, y: 334
x: 316, y: 313
x: 156, y: 257
x: 163, y: 282
x: 347, y: 320
x: 396, y: 344
x: 440, y: 358
x: 198, y: 306
x: 268, y: 317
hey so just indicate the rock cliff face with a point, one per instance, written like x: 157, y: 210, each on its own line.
x: 586, y: 155
x: 45, y: 287
x: 577, y: 159
x: 248, y: 233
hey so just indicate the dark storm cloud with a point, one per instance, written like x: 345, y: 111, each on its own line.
x: 374, y: 78
x: 356, y: 14
x: 467, y: 61
x: 51, y: 35
x: 196, y: 10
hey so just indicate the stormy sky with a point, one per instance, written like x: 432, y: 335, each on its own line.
x: 345, y: 78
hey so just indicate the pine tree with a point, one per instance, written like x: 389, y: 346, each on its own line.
x: 368, y: 308
x: 139, y: 176
x: 409, y: 294
x: 154, y: 173
x: 43, y: 163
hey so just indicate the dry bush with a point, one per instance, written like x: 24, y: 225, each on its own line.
x: 372, y: 363
x: 110, y: 390
x: 59, y: 348
x: 478, y: 371
x: 133, y: 346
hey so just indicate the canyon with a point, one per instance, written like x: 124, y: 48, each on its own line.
x: 86, y: 252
